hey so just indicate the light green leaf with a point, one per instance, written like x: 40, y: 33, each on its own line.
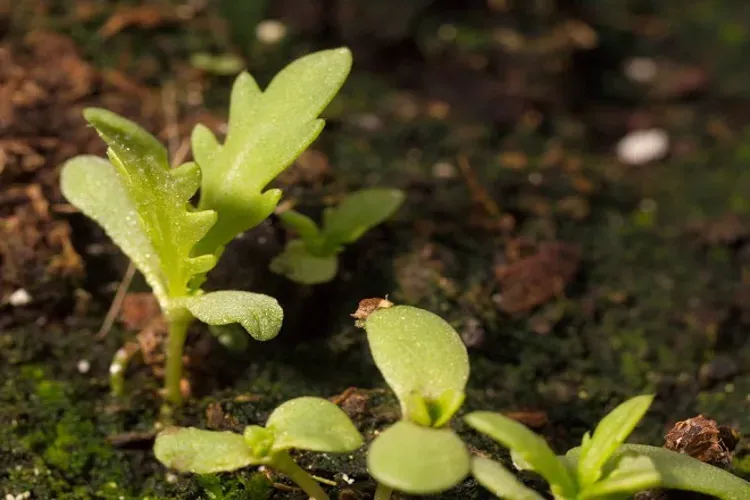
x: 609, y: 434
x: 533, y: 449
x: 682, y: 472
x: 359, y: 212
x: 418, y: 460
x: 500, y: 481
x: 419, y: 354
x: 631, y: 475
x: 267, y: 131
x: 259, y: 314
x: 160, y: 197
x: 300, y: 266
x: 92, y: 185
x: 313, y: 424
x: 188, y: 449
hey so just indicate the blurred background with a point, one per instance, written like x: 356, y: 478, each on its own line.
x: 576, y: 172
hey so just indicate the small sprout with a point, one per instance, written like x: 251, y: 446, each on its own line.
x: 144, y: 205
x: 425, y: 363
x: 312, y: 258
x: 602, y: 467
x: 306, y: 423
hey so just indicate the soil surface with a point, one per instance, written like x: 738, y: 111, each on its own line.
x: 576, y: 278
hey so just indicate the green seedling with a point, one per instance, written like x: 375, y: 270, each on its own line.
x: 306, y: 423
x: 424, y: 361
x: 312, y: 258
x: 602, y: 467
x: 145, y: 207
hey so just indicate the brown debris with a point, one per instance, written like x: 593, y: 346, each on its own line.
x: 367, y: 307
x: 533, y: 419
x: 531, y: 281
x: 139, y: 310
x: 140, y: 16
x: 727, y: 229
x: 353, y: 401
x: 703, y: 439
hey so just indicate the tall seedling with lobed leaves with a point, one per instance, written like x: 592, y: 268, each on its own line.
x: 145, y: 206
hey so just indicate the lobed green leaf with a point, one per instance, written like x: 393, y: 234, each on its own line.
x: 259, y: 314
x: 314, y: 424
x: 609, y: 434
x: 188, y: 449
x: 267, y: 131
x: 160, y: 196
x: 93, y: 186
x: 532, y: 448
x: 501, y: 482
x: 422, y: 359
x: 418, y: 460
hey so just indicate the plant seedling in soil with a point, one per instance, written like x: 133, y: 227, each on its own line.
x: 312, y: 258
x: 144, y: 206
x: 306, y: 423
x: 602, y: 467
x: 424, y: 361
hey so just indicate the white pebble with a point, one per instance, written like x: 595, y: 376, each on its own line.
x: 19, y: 298
x: 270, y: 31
x: 640, y: 69
x: 643, y: 146
x: 444, y: 170
x: 170, y: 478
x: 83, y: 366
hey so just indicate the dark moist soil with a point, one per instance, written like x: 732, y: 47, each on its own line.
x: 575, y: 280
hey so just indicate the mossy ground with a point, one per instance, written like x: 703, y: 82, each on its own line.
x: 658, y: 301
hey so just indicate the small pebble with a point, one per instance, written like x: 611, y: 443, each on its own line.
x: 444, y: 170
x: 640, y: 69
x: 170, y: 478
x: 270, y: 31
x: 83, y: 366
x: 643, y: 146
x: 19, y: 298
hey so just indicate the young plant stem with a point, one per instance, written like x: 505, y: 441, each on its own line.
x: 383, y: 492
x: 175, y: 345
x: 286, y: 465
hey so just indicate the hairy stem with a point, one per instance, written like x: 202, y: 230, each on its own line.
x: 175, y: 345
x: 383, y: 492
x: 285, y: 464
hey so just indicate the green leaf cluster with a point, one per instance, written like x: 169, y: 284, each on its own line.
x: 602, y: 467
x: 311, y: 259
x: 305, y: 423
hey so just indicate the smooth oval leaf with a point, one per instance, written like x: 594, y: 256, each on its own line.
x: 359, y: 212
x: 501, y: 482
x: 188, y: 449
x: 609, y: 434
x: 92, y: 185
x: 683, y: 472
x: 418, y: 460
x: 418, y: 353
x: 300, y: 266
x: 259, y: 314
x: 532, y: 448
x: 631, y: 475
x: 313, y: 424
